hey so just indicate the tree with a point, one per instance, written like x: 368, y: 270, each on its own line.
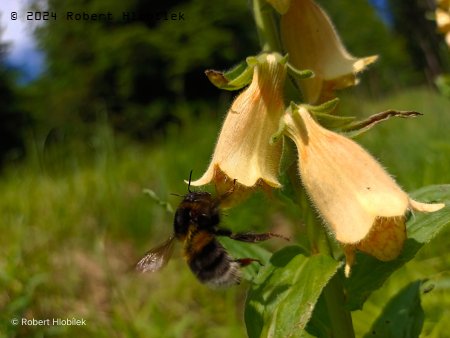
x: 411, y: 21
x: 137, y: 66
x: 12, y: 118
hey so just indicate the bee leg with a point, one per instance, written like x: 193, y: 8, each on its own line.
x: 254, y: 237
x: 227, y: 193
x: 247, y: 261
x: 249, y: 237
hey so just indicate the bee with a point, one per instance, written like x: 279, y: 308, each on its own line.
x: 196, y: 225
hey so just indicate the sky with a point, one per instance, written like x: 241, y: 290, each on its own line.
x: 22, y: 52
x: 382, y: 8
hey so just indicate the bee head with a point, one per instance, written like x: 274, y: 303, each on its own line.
x: 197, y: 196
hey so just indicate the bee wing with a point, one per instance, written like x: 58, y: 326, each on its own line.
x: 157, y: 258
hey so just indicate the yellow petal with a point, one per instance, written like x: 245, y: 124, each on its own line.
x: 425, y: 207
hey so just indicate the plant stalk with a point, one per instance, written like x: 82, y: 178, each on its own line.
x: 340, y: 318
x: 266, y: 26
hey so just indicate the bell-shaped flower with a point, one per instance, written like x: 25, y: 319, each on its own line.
x: 363, y: 205
x: 310, y: 39
x: 243, y: 153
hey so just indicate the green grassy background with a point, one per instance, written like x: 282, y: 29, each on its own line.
x: 75, y: 220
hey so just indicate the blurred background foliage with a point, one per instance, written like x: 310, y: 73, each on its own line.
x: 125, y: 105
x: 140, y: 71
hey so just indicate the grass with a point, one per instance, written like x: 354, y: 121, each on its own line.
x: 75, y: 220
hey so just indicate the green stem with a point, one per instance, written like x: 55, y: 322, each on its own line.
x: 340, y: 318
x: 266, y: 26
x: 333, y: 293
x: 314, y: 232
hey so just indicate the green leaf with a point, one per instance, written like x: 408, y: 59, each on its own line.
x: 320, y: 324
x: 402, y: 317
x: 369, y: 274
x: 247, y: 250
x: 166, y: 205
x: 443, y: 84
x: 283, y: 296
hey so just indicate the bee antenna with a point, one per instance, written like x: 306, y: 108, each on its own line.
x: 173, y: 194
x: 190, y: 179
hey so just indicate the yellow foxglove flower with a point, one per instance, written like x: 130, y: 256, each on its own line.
x: 243, y: 152
x: 310, y: 39
x: 362, y: 204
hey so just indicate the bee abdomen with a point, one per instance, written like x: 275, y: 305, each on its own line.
x: 213, y: 266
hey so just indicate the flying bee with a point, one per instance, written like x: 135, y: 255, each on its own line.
x: 196, y: 225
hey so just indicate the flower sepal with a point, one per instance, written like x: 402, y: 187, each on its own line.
x: 327, y: 107
x: 299, y: 74
x: 241, y: 75
x: 234, y: 79
x: 334, y: 122
x: 325, y: 115
x: 357, y: 128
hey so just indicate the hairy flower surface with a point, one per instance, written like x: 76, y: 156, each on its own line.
x: 243, y: 152
x: 356, y: 197
x: 310, y: 39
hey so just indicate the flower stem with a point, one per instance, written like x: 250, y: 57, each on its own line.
x: 314, y: 232
x: 266, y: 26
x: 340, y: 318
